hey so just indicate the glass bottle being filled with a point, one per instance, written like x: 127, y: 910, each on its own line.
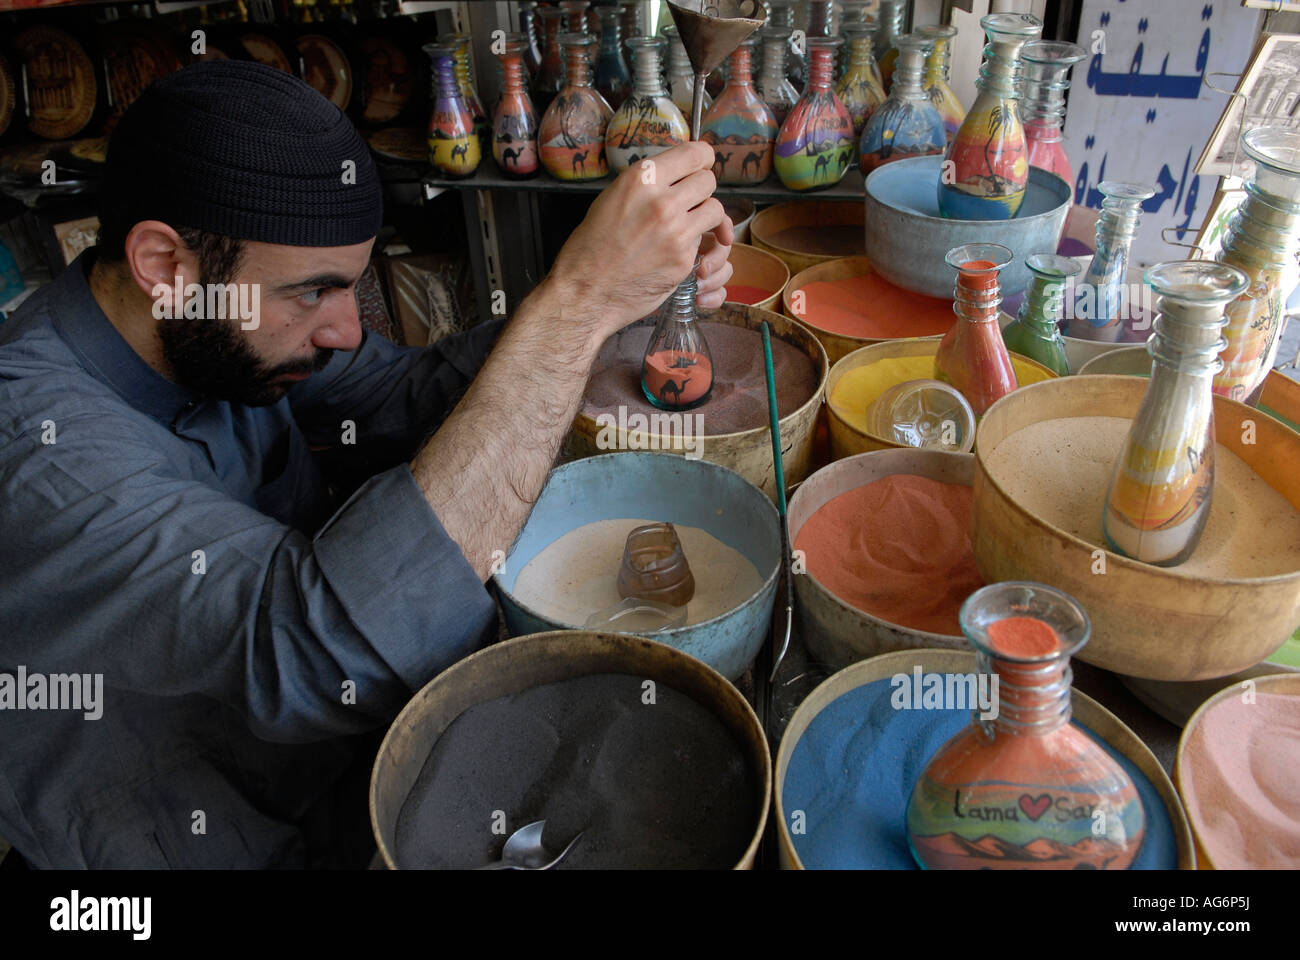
x: 1161, y: 487
x: 677, y: 371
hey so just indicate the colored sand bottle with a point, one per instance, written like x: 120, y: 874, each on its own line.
x: 907, y: 124
x: 1036, y: 331
x: 613, y: 79
x: 861, y: 12
x: 454, y: 149
x: 572, y: 134
x: 549, y: 77
x: 937, y: 66
x: 989, y: 157
x: 891, y: 20
x: 680, y: 76
x: 1161, y: 487
x: 648, y: 122
x: 482, y: 129
x: 529, y: 27
x: 677, y: 372
x: 816, y: 140
x: 1024, y: 789
x: 1261, y: 242
x: 773, y: 85
x: 858, y: 88
x: 739, y: 126
x: 972, y: 356
x: 514, y: 125
x: 1045, y: 76
x: 1103, y: 305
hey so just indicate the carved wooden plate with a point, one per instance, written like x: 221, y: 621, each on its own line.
x: 265, y: 50
x: 61, y: 87
x: 325, y: 68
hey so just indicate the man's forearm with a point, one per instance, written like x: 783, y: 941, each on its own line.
x: 483, y: 469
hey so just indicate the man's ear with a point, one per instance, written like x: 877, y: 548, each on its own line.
x: 156, y: 256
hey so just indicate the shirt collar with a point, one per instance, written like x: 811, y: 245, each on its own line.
x: 104, y: 353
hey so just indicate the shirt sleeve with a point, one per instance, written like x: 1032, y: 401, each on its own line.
x: 119, y: 564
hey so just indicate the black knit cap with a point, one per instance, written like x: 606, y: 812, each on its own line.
x: 243, y: 150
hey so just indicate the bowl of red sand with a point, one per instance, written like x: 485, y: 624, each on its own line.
x: 1238, y: 773
x: 1043, y: 460
x: 804, y: 233
x: 849, y: 305
x: 757, y: 279
x: 857, y: 380
x: 885, y: 542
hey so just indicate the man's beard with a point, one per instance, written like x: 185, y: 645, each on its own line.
x: 211, y: 358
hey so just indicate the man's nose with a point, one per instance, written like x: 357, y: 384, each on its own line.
x: 343, y: 330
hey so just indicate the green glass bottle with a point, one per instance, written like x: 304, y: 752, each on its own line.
x: 1035, y: 333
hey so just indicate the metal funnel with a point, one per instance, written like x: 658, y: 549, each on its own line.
x: 710, y: 30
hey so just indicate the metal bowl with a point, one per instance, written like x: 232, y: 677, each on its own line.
x: 659, y: 486
x: 907, y: 238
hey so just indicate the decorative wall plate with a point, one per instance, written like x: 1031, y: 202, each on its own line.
x: 61, y: 87
x: 8, y: 95
x: 325, y: 68
x: 400, y: 143
x: 265, y: 50
x: 389, y: 80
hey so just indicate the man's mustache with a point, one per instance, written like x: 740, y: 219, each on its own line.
x: 317, y: 362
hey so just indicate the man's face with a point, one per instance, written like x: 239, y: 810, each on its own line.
x: 307, y: 310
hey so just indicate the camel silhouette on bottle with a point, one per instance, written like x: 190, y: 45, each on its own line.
x: 511, y: 156
x: 671, y: 386
x: 822, y: 167
x: 754, y: 157
x: 580, y: 160
x: 463, y: 150
x: 720, y: 160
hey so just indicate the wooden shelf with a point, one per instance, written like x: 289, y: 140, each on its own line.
x: 489, y: 178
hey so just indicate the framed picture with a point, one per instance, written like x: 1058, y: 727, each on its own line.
x: 1268, y: 94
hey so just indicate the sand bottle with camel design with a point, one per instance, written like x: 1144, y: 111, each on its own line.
x: 739, y: 126
x: 514, y: 125
x: 1022, y: 787
x: 987, y: 166
x: 1161, y: 487
x: 454, y: 148
x: 648, y: 122
x: 814, y: 145
x: 677, y: 372
x: 572, y: 135
x: 908, y: 123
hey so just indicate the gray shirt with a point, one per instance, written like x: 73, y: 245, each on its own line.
x: 247, y: 626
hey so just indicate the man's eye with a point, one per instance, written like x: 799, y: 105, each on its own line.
x: 312, y: 297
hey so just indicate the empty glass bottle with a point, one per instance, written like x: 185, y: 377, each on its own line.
x: 1045, y: 76
x: 859, y: 88
x: 482, y: 129
x: 1261, y: 242
x: 572, y: 135
x: 1024, y: 789
x: 937, y: 65
x: 972, y: 356
x: 773, y: 85
x: 681, y: 78
x: 739, y: 126
x: 677, y: 372
x: 1160, y: 490
x: 1103, y: 305
x: 907, y: 124
x: 891, y: 20
x: 550, y: 76
x: 989, y: 158
x: 514, y: 124
x: 648, y: 122
x: 612, y: 77
x: 1036, y: 331
x: 454, y: 149
x: 815, y: 142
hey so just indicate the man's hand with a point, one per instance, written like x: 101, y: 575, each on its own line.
x: 640, y: 239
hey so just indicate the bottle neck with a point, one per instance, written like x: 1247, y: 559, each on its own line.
x: 938, y: 63
x: 447, y: 86
x: 1188, y: 339
x: 739, y: 68
x: 819, y: 18
x: 680, y: 307
x: 678, y: 65
x: 512, y: 68
x: 1000, y: 71
x: 1044, y: 303
x: 577, y: 68
x: 892, y: 14
x: 1033, y: 698
x: 611, y: 34
x: 820, y: 70
x: 1261, y: 234
x: 773, y: 62
x: 860, y: 53
x: 1116, y: 226
x: 977, y: 296
x: 647, y: 80
x: 907, y: 75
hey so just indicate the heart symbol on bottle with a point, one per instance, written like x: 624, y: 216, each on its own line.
x: 1035, y: 807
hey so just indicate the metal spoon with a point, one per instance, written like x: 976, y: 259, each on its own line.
x: 524, y: 850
